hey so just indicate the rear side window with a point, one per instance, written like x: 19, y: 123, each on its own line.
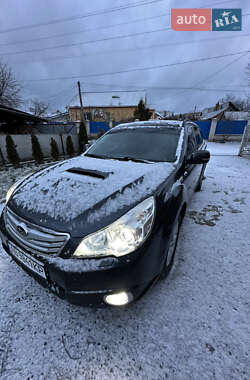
x: 198, y: 136
x: 196, y: 132
x: 191, y: 148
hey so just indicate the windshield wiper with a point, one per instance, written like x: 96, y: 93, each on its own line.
x: 96, y: 156
x: 127, y: 158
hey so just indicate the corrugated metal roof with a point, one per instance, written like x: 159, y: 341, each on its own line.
x: 9, y: 112
x: 110, y: 99
x: 209, y: 113
x: 213, y: 114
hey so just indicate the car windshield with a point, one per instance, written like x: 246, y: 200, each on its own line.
x: 138, y: 144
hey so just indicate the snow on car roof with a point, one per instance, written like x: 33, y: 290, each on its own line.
x: 150, y: 123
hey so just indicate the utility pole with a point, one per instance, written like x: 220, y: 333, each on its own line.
x: 82, y: 136
x: 80, y: 97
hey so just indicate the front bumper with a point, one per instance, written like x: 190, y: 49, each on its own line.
x: 87, y: 281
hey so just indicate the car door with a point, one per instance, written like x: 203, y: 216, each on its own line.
x: 191, y: 172
x: 201, y: 145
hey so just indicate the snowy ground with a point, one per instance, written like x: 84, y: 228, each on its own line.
x: 194, y: 325
x: 11, y: 175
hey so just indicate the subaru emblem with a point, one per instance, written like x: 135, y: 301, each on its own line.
x: 22, y: 229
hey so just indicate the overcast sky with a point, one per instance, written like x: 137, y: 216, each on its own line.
x: 88, y: 59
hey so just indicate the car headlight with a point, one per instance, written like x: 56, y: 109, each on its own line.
x: 121, y: 237
x: 14, y: 186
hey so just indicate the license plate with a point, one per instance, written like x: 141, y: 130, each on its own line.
x: 27, y: 261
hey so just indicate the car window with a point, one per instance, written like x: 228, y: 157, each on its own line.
x: 198, y: 136
x: 191, y: 147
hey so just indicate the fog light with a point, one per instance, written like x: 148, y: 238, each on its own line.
x: 118, y: 299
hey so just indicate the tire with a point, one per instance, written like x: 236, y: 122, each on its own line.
x: 171, y: 248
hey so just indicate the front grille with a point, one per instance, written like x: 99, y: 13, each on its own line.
x: 32, y: 237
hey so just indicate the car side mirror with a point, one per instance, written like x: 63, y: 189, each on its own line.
x: 200, y: 157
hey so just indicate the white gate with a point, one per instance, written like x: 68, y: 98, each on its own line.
x: 245, y: 142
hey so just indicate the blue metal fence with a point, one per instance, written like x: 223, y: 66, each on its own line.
x: 98, y: 126
x: 204, y: 127
x: 223, y: 127
x: 230, y: 127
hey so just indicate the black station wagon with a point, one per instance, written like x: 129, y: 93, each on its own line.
x: 99, y: 229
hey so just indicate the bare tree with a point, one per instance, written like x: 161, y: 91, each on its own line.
x: 9, y: 87
x: 38, y: 108
x: 242, y: 104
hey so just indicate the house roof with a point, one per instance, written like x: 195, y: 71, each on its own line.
x: 8, y: 114
x: 58, y: 115
x: 110, y: 99
x: 210, y: 113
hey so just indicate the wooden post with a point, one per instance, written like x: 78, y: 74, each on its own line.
x: 80, y: 97
x: 212, y: 130
x: 245, y: 139
x: 62, y: 145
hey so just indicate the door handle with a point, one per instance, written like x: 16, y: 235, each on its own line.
x: 184, y: 176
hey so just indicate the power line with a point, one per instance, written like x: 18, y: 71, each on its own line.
x: 196, y: 89
x: 89, y: 14
x: 95, y: 13
x: 68, y: 88
x: 173, y: 88
x: 135, y: 49
x: 85, y: 42
x: 92, y: 29
x: 86, y: 30
x: 136, y: 69
x: 104, y: 92
x: 222, y: 69
x: 215, y: 72
x: 181, y: 90
x: 184, y: 89
x: 71, y: 87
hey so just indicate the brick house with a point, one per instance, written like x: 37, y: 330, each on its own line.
x: 117, y: 106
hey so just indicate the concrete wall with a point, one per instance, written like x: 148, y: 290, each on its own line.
x: 24, y: 148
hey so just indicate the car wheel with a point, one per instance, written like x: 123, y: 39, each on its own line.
x: 171, y: 248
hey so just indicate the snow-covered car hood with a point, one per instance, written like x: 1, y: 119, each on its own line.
x: 86, y: 190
